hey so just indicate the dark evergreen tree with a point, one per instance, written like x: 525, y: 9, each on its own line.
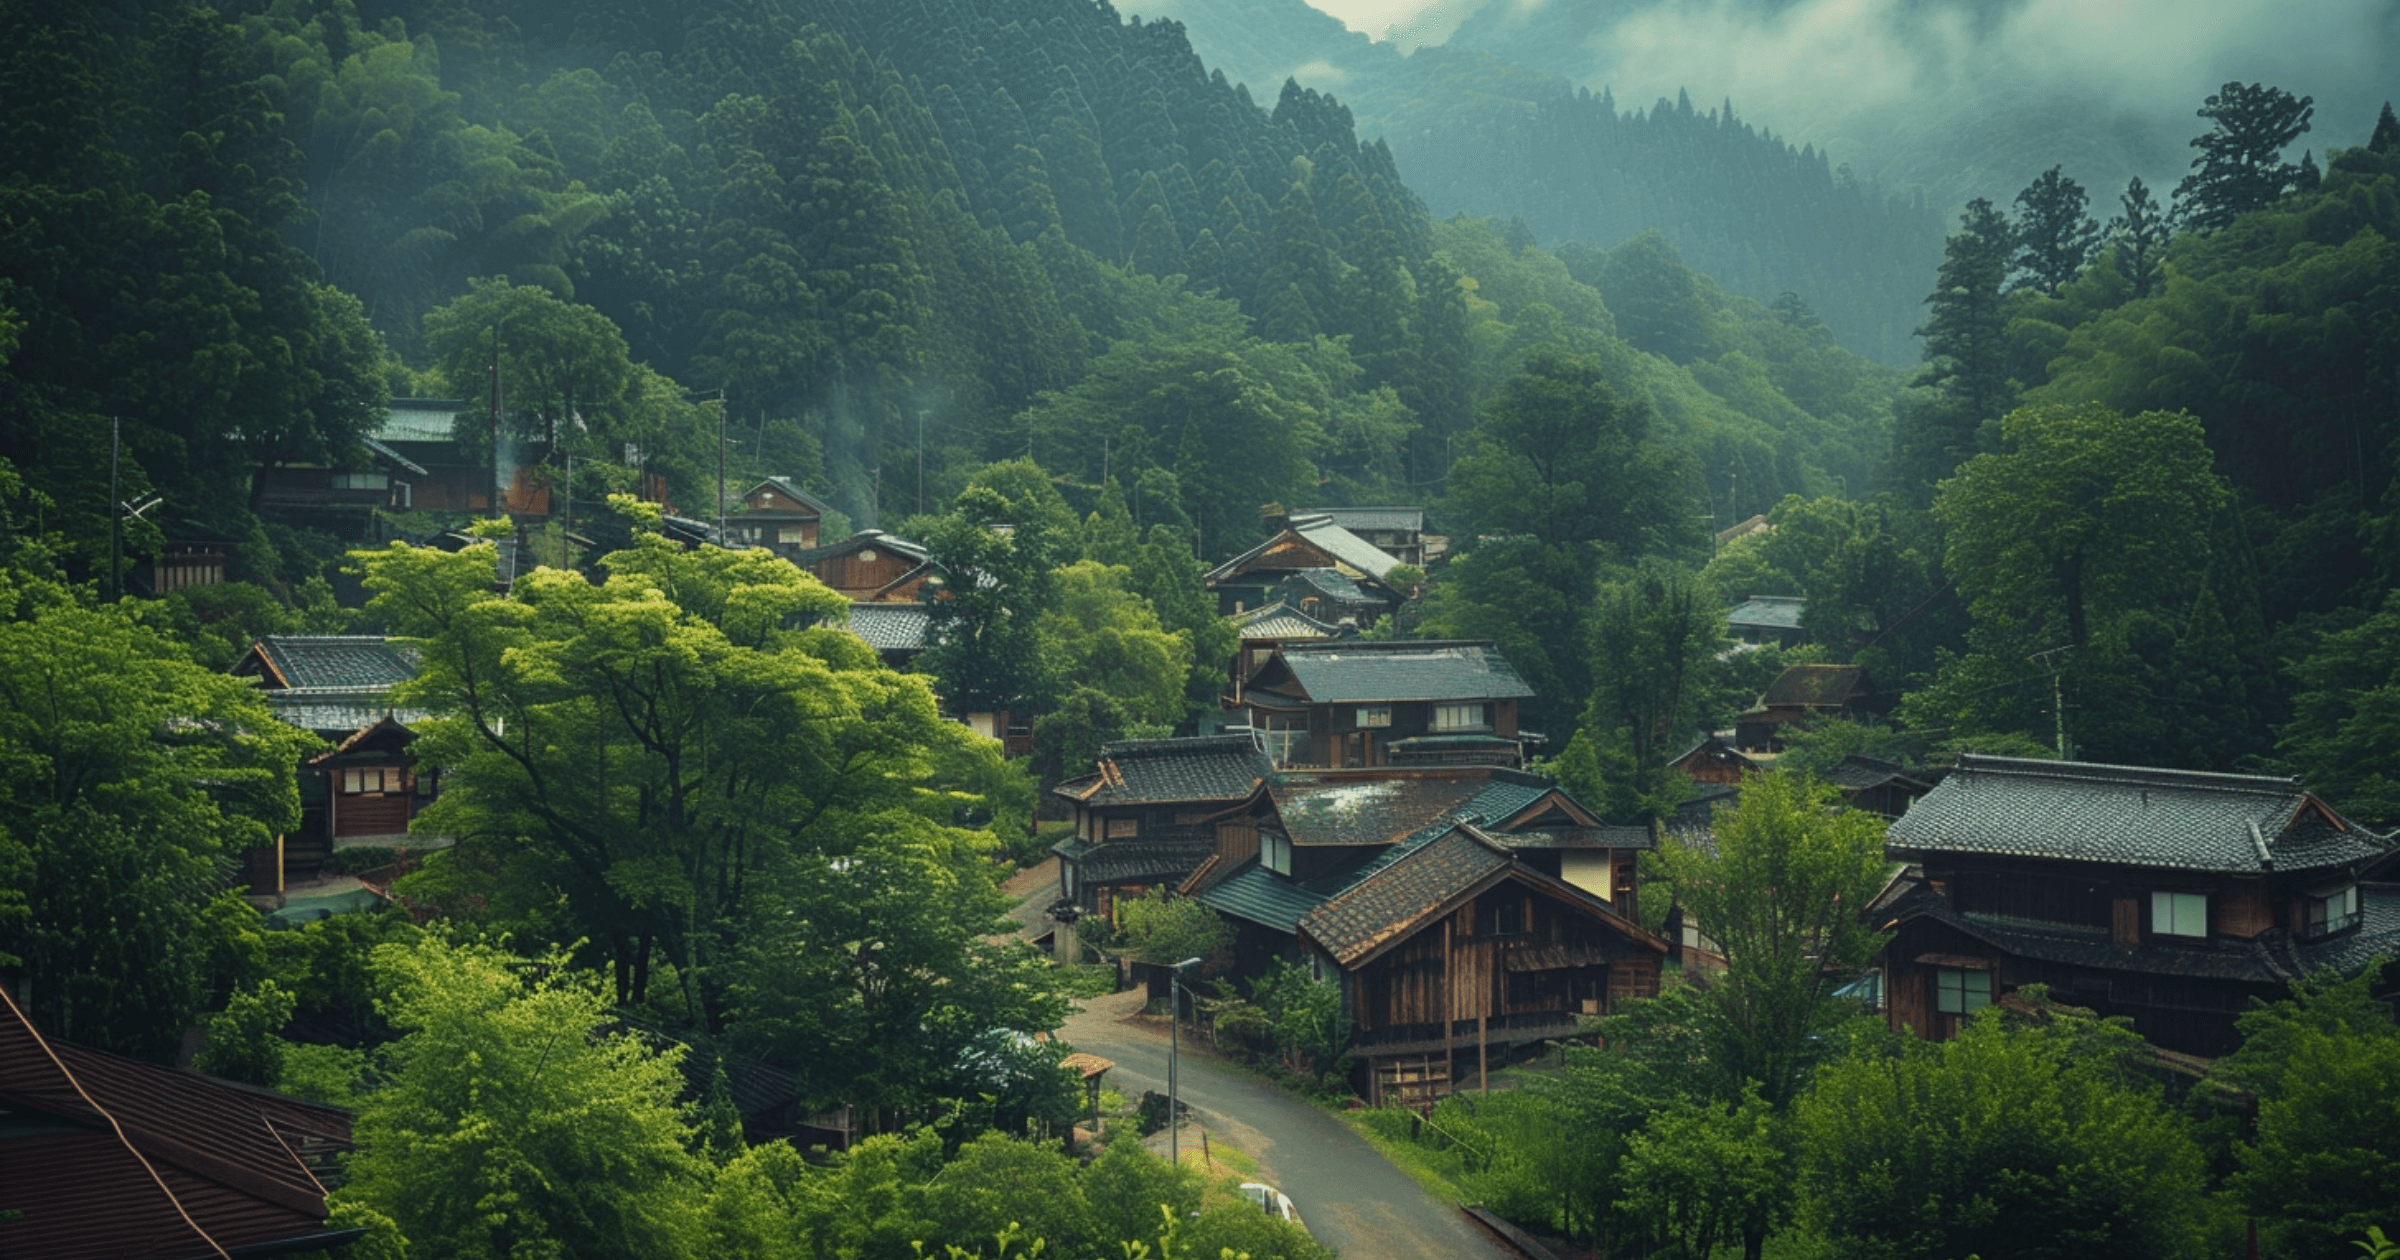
x: 1965, y: 353
x: 2241, y: 166
x: 2055, y: 234
x: 2139, y: 238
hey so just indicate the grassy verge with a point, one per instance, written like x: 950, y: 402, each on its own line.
x: 1434, y: 1171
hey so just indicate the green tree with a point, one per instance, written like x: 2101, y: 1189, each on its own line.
x: 1656, y: 300
x: 2003, y: 1143
x: 515, y: 1121
x: 132, y: 778
x: 1561, y: 454
x: 2323, y: 1063
x: 1122, y: 672
x: 1655, y: 637
x: 2347, y: 682
x: 996, y: 1182
x: 1164, y: 929
x: 2138, y: 238
x: 1783, y: 891
x: 999, y: 548
x: 1708, y: 1175
x: 2241, y: 166
x: 1965, y: 352
x: 2055, y: 234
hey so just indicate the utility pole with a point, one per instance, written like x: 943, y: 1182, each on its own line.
x: 499, y: 491
x: 116, y: 517
x: 2058, y: 694
x: 720, y: 465
x: 920, y: 461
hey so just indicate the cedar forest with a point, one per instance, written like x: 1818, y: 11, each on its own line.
x: 2125, y: 495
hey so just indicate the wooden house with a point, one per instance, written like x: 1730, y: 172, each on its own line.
x: 1714, y: 760
x: 779, y: 516
x: 104, y: 1156
x: 367, y: 787
x: 1262, y: 630
x: 1296, y: 543
x: 1349, y: 703
x: 1875, y: 785
x: 2172, y: 897
x: 1396, y: 531
x: 873, y: 567
x: 1485, y: 891
x: 895, y: 630
x: 1809, y: 693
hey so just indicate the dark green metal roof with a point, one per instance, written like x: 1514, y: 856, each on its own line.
x: 1356, y: 672
x: 1262, y: 897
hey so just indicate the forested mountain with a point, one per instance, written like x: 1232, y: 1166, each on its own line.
x: 869, y: 240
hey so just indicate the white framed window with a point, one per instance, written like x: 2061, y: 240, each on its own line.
x: 359, y: 779
x: 362, y: 481
x: 1374, y: 715
x: 1457, y: 717
x: 2332, y: 912
x: 1961, y: 990
x: 1275, y: 852
x: 2178, y: 913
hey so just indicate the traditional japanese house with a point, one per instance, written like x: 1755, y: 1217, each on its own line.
x: 104, y: 1156
x: 1714, y: 760
x: 872, y: 567
x: 1297, y: 542
x: 1805, y: 694
x: 896, y: 631
x: 1332, y: 595
x: 368, y: 786
x: 2171, y: 897
x: 1350, y: 703
x: 779, y: 516
x: 1491, y: 885
x: 1876, y: 786
x: 1396, y: 531
x: 1262, y: 630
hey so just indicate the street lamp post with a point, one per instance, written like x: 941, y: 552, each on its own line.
x: 1174, y: 1055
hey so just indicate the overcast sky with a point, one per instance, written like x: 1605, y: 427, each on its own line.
x: 1370, y: 16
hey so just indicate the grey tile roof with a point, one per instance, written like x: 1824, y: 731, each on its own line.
x: 1857, y: 773
x: 1354, y: 672
x: 2130, y: 816
x: 1342, y: 808
x: 1503, y: 797
x: 1280, y: 620
x: 1768, y: 612
x: 891, y: 627
x: 1333, y: 584
x: 1395, y: 890
x: 336, y: 712
x: 419, y: 420
x: 352, y: 661
x: 1405, y: 520
x: 1344, y: 546
x: 1218, y: 768
x: 1262, y: 897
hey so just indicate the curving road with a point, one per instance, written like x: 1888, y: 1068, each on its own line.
x: 1352, y: 1200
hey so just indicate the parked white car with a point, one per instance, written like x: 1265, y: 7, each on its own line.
x: 1271, y: 1201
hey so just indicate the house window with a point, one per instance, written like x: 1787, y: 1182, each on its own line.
x: 2179, y: 914
x: 1119, y: 828
x: 362, y: 481
x: 2332, y: 913
x: 1457, y: 717
x: 1505, y: 917
x: 1275, y: 852
x: 1374, y: 715
x: 1960, y: 991
x: 425, y: 783
x: 358, y: 779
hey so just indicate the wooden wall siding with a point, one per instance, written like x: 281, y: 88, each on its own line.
x: 2125, y: 922
x: 373, y: 813
x: 1237, y: 842
x: 2242, y: 912
x: 1632, y: 976
x: 1504, y: 718
x: 1449, y: 972
x: 847, y: 573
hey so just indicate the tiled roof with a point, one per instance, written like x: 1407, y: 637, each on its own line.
x: 1393, y: 893
x: 790, y: 491
x: 336, y: 712
x: 2130, y: 816
x: 1768, y: 612
x: 1405, y: 520
x: 1858, y: 773
x: 225, y: 1152
x: 1503, y: 797
x: 1341, y: 808
x: 1604, y: 837
x: 1344, y: 546
x: 2377, y: 935
x: 1355, y: 672
x: 1333, y: 584
x: 1280, y: 620
x: 891, y: 627
x: 353, y: 661
x: 860, y: 541
x: 419, y: 420
x: 1205, y: 768
x: 1260, y: 896
x: 1825, y: 686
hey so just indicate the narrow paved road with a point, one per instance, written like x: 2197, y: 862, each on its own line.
x: 1352, y: 1199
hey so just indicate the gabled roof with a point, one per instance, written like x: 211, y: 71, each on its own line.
x: 1353, y: 808
x: 337, y: 712
x: 1768, y: 612
x: 1318, y: 531
x: 1204, y: 769
x: 1254, y: 893
x: 1413, y: 884
x: 1712, y: 748
x: 861, y: 541
x: 1356, y: 672
x: 2131, y: 816
x: 355, y: 662
x: 1857, y: 773
x: 1332, y: 584
x: 396, y: 457
x: 789, y: 490
x: 225, y: 1152
x: 419, y: 420
x: 1280, y: 620
x: 890, y: 627
x: 1817, y: 687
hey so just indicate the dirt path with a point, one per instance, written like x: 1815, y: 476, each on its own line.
x: 1353, y: 1201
